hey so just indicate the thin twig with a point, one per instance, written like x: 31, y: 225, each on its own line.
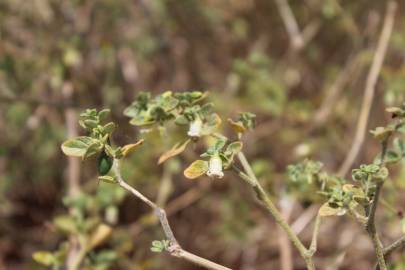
x: 400, y: 243
x: 333, y: 92
x: 304, y: 219
x: 396, y: 245
x: 174, y: 248
x: 290, y: 24
x: 314, y: 241
x: 370, y: 88
x: 370, y: 225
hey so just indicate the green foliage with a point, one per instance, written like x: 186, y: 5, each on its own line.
x: 106, y: 49
x: 159, y: 246
x: 253, y: 78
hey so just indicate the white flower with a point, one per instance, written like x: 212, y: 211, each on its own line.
x: 215, y: 167
x: 195, y: 128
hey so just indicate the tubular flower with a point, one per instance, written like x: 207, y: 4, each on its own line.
x: 215, y: 167
x: 195, y: 128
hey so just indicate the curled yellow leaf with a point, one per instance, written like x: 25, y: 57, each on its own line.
x: 174, y: 151
x: 129, y: 148
x: 326, y: 210
x: 236, y: 126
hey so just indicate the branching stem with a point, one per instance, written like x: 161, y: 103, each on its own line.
x: 252, y: 180
x: 174, y: 249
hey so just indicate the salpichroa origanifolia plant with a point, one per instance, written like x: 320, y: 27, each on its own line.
x: 200, y: 123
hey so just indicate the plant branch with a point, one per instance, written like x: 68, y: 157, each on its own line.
x: 174, y: 249
x: 396, y: 245
x: 391, y: 248
x: 370, y: 225
x: 370, y: 88
x: 251, y: 179
x: 314, y: 241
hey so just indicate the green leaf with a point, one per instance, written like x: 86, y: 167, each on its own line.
x: 142, y: 120
x: 93, y: 149
x: 356, y: 191
x: 392, y: 157
x: 181, y: 120
x: 234, y: 148
x: 169, y: 103
x: 43, y: 257
x: 174, y: 151
x: 77, y: 147
x: 156, y: 249
x: 158, y: 246
x: 103, y: 114
x: 399, y: 145
x: 65, y: 223
x: 206, y: 109
x: 382, y: 174
x: 196, y: 169
x: 219, y: 144
x: 231, y: 150
x: 90, y: 123
x: 108, y: 128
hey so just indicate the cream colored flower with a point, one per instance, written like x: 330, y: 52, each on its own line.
x: 215, y: 167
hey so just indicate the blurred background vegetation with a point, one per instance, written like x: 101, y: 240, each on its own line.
x: 58, y: 57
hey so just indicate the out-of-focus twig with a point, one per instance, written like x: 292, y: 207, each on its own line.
x: 286, y: 207
x: 290, y: 24
x: 304, y: 219
x: 76, y: 252
x: 398, y: 244
x: 370, y: 89
x: 333, y: 92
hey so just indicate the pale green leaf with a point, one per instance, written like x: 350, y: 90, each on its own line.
x: 196, y: 169
x: 77, y: 147
x: 43, y: 257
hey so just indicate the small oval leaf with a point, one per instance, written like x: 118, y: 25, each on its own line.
x: 196, y: 169
x: 77, y: 147
x: 43, y: 257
